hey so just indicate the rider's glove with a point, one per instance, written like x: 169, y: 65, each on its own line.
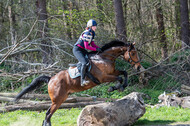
x: 98, y: 49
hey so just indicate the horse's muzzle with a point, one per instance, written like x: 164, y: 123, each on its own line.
x: 138, y: 68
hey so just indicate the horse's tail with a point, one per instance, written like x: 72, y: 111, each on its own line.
x: 35, y: 83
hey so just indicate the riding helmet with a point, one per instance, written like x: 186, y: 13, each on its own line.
x: 91, y: 22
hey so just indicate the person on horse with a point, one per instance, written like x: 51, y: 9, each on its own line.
x: 84, y: 43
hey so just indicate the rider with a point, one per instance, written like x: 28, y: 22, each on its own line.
x: 84, y: 43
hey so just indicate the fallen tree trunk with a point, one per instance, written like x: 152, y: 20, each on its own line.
x: 172, y: 100
x: 43, y: 106
x: 8, y: 99
x: 27, y: 96
x: 122, y: 112
x: 185, y: 89
x: 46, y: 97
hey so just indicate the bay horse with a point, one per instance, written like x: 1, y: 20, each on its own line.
x: 102, y: 67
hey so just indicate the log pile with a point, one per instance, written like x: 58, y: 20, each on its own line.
x: 172, y: 99
x: 38, y: 102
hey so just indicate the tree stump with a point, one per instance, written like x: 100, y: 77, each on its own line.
x: 123, y: 112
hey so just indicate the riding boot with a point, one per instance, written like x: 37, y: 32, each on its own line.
x: 83, y: 71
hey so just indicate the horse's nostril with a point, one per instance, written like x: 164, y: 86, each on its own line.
x: 138, y: 68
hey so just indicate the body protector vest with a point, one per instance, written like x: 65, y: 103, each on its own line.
x: 87, y: 35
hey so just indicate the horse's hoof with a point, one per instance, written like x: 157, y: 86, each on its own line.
x: 117, y: 86
x: 121, y: 89
x: 110, y: 89
x: 45, y: 123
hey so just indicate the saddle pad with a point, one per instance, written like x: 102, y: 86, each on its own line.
x: 74, y: 72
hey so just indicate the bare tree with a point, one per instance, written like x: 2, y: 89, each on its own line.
x: 12, y: 23
x: 119, y: 18
x: 43, y: 31
x: 161, y: 28
x: 185, y: 32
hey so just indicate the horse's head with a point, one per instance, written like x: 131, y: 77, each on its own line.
x: 131, y: 56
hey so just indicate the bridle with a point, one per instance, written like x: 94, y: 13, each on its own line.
x: 130, y: 60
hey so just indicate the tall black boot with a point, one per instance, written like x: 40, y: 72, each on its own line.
x: 83, y: 71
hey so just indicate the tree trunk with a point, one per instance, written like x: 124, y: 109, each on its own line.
x: 12, y: 23
x: 44, y: 106
x: 43, y: 26
x: 120, y: 23
x: 100, y: 11
x: 185, y: 32
x: 123, y: 112
x: 160, y: 21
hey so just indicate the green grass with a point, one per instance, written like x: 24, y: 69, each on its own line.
x: 62, y: 117
x: 164, y: 115
x: 66, y: 117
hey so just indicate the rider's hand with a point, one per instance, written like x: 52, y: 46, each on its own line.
x: 98, y: 49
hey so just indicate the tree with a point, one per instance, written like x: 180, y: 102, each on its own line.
x: 12, y: 21
x: 185, y: 32
x: 119, y: 18
x: 43, y: 31
x: 161, y: 28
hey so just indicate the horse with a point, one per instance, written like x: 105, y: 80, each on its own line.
x: 102, y: 68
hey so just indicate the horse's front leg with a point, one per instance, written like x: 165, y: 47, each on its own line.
x: 125, y: 81
x: 120, y: 86
x: 112, y: 78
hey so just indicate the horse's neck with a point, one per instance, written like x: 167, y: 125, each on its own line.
x: 112, y: 53
x: 108, y: 55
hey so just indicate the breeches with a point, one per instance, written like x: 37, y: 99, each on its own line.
x: 80, y: 54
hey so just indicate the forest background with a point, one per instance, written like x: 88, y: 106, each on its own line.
x: 36, y: 37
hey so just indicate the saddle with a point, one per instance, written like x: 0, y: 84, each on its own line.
x: 74, y: 72
x: 74, y: 69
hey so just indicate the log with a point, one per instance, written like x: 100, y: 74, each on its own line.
x: 185, y: 89
x: 46, y: 97
x: 171, y: 99
x: 27, y: 96
x: 43, y: 106
x: 85, y: 99
x: 185, y: 102
x: 8, y: 99
x: 122, y: 112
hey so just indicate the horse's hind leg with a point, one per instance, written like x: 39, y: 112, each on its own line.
x: 51, y: 110
x: 55, y: 105
x: 45, y: 122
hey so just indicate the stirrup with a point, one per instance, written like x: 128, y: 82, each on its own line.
x: 84, y: 82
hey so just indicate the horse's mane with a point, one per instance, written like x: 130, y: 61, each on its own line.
x: 113, y: 43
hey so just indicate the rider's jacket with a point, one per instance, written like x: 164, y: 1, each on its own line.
x: 86, y: 40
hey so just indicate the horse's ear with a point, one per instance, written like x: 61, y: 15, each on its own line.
x: 134, y: 43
